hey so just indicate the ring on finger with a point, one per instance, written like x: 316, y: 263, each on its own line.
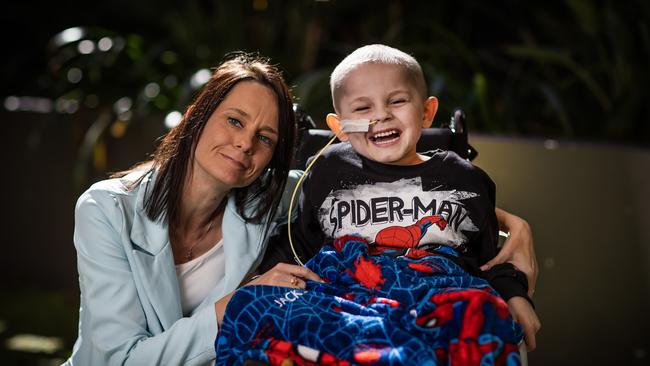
x: 294, y: 280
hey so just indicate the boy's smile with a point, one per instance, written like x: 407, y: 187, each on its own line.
x: 383, y: 92
x: 385, y: 137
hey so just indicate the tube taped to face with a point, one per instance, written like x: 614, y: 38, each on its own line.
x: 355, y: 125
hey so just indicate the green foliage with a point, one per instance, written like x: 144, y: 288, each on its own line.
x: 563, y: 69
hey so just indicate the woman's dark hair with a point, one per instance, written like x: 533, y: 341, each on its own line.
x: 175, y: 153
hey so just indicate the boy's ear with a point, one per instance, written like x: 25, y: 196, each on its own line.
x: 430, y: 109
x: 334, y: 123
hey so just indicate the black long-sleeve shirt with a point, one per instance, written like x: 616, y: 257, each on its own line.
x: 443, y: 201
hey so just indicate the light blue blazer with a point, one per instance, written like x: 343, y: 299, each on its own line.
x: 130, y: 309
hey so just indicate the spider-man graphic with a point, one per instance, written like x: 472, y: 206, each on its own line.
x: 404, y: 237
x: 282, y: 353
x: 468, y: 349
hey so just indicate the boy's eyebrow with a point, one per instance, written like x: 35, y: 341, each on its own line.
x: 246, y: 115
x: 363, y: 98
x: 399, y: 91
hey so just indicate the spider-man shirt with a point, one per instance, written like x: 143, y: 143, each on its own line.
x: 445, y: 202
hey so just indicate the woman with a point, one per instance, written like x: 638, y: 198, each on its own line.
x: 161, y: 247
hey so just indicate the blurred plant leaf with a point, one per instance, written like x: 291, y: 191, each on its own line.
x: 547, y: 56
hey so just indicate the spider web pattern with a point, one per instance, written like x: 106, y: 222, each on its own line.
x: 372, y: 309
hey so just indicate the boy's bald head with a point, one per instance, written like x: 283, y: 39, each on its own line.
x: 376, y: 54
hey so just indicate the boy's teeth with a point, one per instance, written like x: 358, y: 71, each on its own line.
x: 385, y: 134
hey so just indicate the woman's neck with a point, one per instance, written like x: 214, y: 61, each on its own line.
x: 201, y: 200
x: 197, y: 228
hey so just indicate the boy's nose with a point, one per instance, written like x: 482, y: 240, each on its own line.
x: 382, y: 115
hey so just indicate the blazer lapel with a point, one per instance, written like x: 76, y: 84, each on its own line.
x: 242, y: 244
x: 155, y: 262
x: 158, y: 276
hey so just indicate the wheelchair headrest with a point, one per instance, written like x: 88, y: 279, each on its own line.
x: 451, y: 137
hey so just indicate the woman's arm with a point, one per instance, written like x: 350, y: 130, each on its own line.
x: 518, y: 249
x: 118, y: 323
x: 524, y: 314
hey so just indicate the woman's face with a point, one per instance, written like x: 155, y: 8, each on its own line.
x: 239, y: 138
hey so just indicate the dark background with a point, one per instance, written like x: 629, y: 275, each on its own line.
x: 556, y: 98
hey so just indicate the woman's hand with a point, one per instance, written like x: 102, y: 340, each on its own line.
x: 283, y: 274
x: 524, y: 314
x: 518, y: 248
x: 286, y: 275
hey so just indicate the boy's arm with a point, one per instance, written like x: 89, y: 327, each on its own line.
x: 504, y: 278
x: 517, y: 249
x: 307, y: 234
x: 507, y: 280
x: 510, y: 283
x: 279, y: 249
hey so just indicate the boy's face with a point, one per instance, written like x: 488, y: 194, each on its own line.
x: 383, y: 92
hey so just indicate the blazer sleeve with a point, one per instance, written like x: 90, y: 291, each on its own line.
x: 117, y: 330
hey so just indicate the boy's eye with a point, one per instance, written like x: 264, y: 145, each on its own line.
x: 265, y: 140
x: 234, y: 122
x: 398, y: 101
x: 361, y: 109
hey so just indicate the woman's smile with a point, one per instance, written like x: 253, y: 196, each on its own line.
x: 235, y: 162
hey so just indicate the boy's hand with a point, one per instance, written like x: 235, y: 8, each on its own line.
x: 524, y: 314
x: 517, y: 249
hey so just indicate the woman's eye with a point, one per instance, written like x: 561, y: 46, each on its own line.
x: 266, y: 140
x: 234, y: 122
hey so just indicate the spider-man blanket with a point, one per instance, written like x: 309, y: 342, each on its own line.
x: 414, y: 309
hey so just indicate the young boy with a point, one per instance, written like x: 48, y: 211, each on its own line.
x: 409, y: 231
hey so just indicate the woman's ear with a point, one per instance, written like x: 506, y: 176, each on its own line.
x: 334, y: 123
x: 430, y: 109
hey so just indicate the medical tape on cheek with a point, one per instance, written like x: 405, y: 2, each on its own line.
x: 355, y: 125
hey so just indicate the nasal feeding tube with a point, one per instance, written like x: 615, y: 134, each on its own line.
x: 347, y: 125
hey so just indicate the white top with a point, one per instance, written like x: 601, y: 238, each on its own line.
x: 199, y: 276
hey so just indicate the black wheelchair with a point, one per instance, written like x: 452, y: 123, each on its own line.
x: 451, y: 136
